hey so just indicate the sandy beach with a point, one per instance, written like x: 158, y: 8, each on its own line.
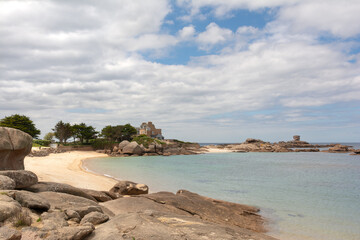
x: 66, y: 168
x: 210, y: 149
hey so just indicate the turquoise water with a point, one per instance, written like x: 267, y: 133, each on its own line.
x: 306, y: 196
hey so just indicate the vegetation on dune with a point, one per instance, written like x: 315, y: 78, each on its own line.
x: 22, y: 123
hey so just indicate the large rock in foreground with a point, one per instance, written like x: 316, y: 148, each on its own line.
x: 164, y: 216
x: 212, y: 210
x: 14, y: 146
x: 174, y: 213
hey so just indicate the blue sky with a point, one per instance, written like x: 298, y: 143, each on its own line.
x: 202, y: 70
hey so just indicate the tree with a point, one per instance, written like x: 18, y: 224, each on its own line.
x: 119, y: 132
x: 84, y: 132
x: 112, y: 133
x: 49, y: 136
x: 22, y: 123
x: 63, y: 131
x: 128, y: 132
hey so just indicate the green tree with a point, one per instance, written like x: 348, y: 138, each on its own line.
x: 22, y: 123
x: 84, y: 132
x: 112, y: 133
x: 119, y: 132
x: 128, y: 132
x: 49, y: 136
x: 63, y: 131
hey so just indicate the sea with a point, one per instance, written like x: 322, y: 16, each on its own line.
x: 303, y: 195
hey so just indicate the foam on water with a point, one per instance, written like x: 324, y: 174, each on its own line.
x: 306, y: 196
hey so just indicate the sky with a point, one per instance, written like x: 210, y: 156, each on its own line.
x: 201, y: 70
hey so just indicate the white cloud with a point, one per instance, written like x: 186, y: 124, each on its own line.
x: 338, y: 18
x: 213, y: 35
x: 187, y: 33
x: 61, y: 59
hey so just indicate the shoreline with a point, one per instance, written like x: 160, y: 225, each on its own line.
x: 67, y: 168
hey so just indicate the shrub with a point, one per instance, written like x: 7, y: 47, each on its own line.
x: 146, y: 141
x: 102, y: 144
x: 43, y: 143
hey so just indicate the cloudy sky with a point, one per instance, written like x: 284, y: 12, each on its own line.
x: 202, y: 70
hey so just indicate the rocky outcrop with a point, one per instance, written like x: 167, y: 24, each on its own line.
x: 129, y: 188
x: 132, y: 148
x: 212, y: 210
x: 14, y: 146
x: 71, y: 233
x: 22, y: 178
x: 8, y: 207
x: 61, y: 201
x: 6, y: 183
x: 123, y: 144
x: 338, y: 148
x: 163, y: 215
x: 163, y: 226
x: 58, y: 187
x: 356, y: 152
x: 94, y: 218
x: 253, y: 140
x: 7, y: 233
x: 185, y: 215
x: 100, y: 196
x: 32, y: 201
x: 45, y: 152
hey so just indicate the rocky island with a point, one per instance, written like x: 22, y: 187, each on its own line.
x: 31, y: 208
x: 296, y: 145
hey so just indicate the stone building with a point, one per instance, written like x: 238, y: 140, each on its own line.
x: 149, y: 130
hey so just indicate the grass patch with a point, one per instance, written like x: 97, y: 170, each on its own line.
x: 22, y: 219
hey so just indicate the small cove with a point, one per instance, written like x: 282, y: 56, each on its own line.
x: 305, y: 195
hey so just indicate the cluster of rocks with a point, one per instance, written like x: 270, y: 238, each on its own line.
x: 296, y: 145
x: 126, y: 148
x: 43, y: 152
x: 338, y: 148
x: 46, y: 210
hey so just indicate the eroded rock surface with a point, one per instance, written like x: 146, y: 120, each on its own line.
x: 7, y: 233
x: 59, y: 187
x: 22, y: 178
x: 32, y: 200
x: 64, y: 201
x: 162, y: 226
x: 14, y: 146
x: 94, y: 218
x: 8, y: 207
x: 6, y: 183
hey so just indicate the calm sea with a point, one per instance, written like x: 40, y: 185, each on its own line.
x: 306, y: 196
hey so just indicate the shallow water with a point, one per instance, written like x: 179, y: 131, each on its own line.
x: 306, y: 196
